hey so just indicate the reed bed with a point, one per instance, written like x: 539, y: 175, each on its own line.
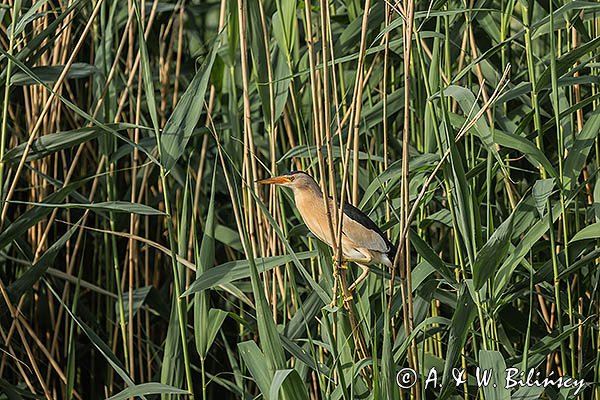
x: 141, y: 259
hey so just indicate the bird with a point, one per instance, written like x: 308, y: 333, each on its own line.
x: 362, y: 241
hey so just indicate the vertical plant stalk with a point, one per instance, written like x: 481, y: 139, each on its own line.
x: 350, y: 115
x: 480, y: 78
x: 358, y: 93
x: 317, y: 120
x: 317, y: 126
x: 345, y: 156
x: 249, y: 168
x: 269, y: 235
x: 353, y: 137
x: 325, y: 40
x: 539, y: 142
x: 404, y: 191
x: 173, y: 247
x: 317, y: 129
x: 110, y: 189
x: 132, y: 248
x: 561, y: 154
x: 340, y: 275
x: 384, y: 89
x: 181, y: 309
x: 4, y: 121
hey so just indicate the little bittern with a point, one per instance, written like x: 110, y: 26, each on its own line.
x: 362, y: 241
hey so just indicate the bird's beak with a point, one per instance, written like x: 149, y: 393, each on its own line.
x: 276, y: 180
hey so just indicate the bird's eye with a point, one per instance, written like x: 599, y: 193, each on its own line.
x: 291, y: 178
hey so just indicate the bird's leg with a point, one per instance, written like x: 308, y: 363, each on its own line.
x: 362, y: 277
x: 346, y: 293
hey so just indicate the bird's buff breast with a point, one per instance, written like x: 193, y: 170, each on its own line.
x: 315, y: 217
x: 319, y: 226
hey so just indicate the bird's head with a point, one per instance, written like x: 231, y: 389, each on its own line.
x: 295, y: 180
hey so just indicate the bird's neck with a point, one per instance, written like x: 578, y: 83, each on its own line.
x: 308, y: 197
x: 310, y: 205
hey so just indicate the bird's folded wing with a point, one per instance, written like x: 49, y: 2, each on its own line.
x: 360, y: 229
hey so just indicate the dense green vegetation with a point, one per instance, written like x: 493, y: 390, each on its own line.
x: 140, y: 258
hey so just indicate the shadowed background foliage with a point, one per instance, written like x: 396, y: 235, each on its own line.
x: 140, y: 258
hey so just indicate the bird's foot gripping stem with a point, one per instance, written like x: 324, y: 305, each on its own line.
x: 338, y: 271
x: 347, y: 297
x: 334, y: 288
x: 341, y: 264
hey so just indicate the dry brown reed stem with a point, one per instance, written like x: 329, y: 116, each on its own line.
x: 316, y: 124
x: 358, y: 91
x: 74, y: 162
x: 353, y: 137
x: 354, y: 109
x: 131, y: 245
x: 384, y: 89
x: 20, y: 364
x: 400, y: 11
x: 180, y: 52
x: 333, y: 215
x: 325, y: 39
x: 53, y: 364
x: 249, y: 162
x: 318, y: 128
x: 336, y: 102
x: 204, y: 146
x: 136, y: 63
x: 461, y: 59
x: 338, y: 272
x: 272, y: 241
x: 47, y: 105
x: 404, y: 260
